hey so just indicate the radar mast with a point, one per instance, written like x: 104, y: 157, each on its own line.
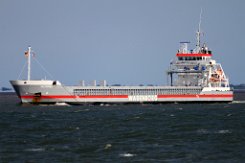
x: 198, y: 34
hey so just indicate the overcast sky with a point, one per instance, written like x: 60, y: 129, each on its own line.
x: 122, y: 41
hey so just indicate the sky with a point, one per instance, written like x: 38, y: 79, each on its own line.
x: 128, y: 42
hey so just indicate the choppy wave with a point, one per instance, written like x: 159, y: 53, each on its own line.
x: 205, y: 131
x: 126, y: 133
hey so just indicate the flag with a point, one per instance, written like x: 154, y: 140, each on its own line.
x: 26, y: 54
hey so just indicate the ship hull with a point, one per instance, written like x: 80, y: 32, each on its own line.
x: 47, y: 91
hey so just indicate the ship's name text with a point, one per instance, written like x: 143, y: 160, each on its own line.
x: 142, y: 98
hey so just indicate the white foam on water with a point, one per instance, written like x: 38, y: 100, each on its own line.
x: 61, y: 104
x: 180, y: 108
x: 202, y: 131
x: 35, y: 150
x: 127, y: 155
x: 81, y: 110
x: 238, y: 102
x: 77, y: 128
x: 33, y: 116
x: 205, y: 131
x: 224, y: 132
x: 137, y: 117
x: 105, y: 104
x: 107, y: 146
x: 55, y: 104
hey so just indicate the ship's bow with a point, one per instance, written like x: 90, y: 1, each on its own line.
x: 16, y: 85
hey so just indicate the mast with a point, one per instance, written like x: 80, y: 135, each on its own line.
x: 29, y: 64
x: 198, y: 48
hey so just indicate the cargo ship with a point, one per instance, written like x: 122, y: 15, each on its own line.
x: 193, y: 76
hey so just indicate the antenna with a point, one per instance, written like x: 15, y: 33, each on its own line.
x: 199, y: 33
x: 200, y: 21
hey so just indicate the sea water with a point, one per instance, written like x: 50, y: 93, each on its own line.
x: 122, y: 133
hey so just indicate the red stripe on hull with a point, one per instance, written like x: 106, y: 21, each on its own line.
x: 72, y: 96
x: 197, y: 96
x: 193, y: 55
x: 126, y: 96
